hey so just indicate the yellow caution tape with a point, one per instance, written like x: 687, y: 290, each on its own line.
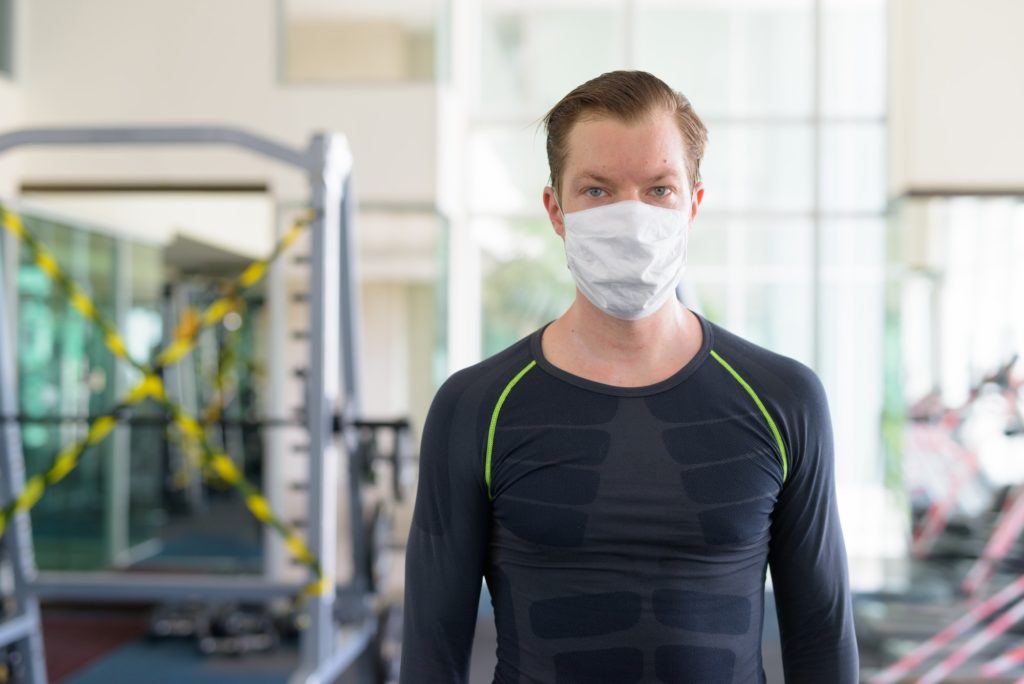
x: 152, y: 386
x: 216, y: 311
x: 116, y: 345
x: 47, y: 264
x: 12, y: 222
x: 259, y: 506
x: 318, y: 587
x: 189, y: 425
x: 298, y: 549
x: 83, y: 304
x: 177, y: 350
x: 188, y: 324
x: 225, y: 468
x: 291, y: 235
x: 66, y: 461
x: 251, y: 275
x: 31, y: 493
x: 100, y: 429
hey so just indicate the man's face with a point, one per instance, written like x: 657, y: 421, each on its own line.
x: 611, y: 161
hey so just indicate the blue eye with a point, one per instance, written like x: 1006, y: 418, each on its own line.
x: 661, y: 191
x: 594, y: 192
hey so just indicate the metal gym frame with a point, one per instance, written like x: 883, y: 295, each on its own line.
x: 326, y: 650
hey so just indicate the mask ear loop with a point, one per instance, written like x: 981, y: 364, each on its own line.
x: 558, y: 204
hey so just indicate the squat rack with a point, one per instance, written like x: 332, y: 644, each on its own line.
x: 333, y: 386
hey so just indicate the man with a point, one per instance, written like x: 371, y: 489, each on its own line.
x: 623, y: 476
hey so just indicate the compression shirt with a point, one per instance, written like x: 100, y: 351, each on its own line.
x: 625, y: 533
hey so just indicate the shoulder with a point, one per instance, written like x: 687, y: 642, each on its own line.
x: 782, y: 379
x: 482, y: 383
x: 790, y: 392
x: 451, y: 448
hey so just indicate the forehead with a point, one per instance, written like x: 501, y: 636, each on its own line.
x: 603, y: 144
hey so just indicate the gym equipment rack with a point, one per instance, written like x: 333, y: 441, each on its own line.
x: 326, y: 651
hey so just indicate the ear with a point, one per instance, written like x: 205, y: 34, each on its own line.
x: 696, y: 197
x: 554, y: 215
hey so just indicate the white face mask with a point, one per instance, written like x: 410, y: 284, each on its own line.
x: 628, y: 257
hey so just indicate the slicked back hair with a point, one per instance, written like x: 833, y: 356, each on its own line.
x: 627, y: 96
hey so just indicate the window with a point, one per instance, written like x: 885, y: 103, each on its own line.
x: 365, y: 40
x: 789, y: 248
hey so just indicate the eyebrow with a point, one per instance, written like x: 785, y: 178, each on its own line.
x: 587, y: 175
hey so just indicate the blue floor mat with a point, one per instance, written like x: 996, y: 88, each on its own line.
x: 179, y: 662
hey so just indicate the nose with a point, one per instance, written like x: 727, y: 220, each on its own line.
x: 630, y: 194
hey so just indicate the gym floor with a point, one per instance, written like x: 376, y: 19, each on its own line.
x: 104, y: 645
x: 93, y: 644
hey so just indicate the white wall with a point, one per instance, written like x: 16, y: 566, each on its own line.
x: 11, y: 105
x: 104, y: 62
x: 956, y: 95
x: 10, y: 114
x: 239, y: 222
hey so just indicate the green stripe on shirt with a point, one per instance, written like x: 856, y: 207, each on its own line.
x: 760, y: 405
x: 494, y: 423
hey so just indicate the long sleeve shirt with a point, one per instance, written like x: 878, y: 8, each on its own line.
x: 625, y: 534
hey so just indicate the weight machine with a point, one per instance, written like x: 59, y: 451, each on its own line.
x: 331, y: 407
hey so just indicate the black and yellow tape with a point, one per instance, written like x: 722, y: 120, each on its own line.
x: 223, y: 387
x: 151, y: 386
x: 221, y: 464
x: 222, y: 381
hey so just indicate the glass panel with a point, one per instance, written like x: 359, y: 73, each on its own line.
x: 979, y: 324
x: 444, y: 43
x: 360, y: 40
x: 778, y: 316
x: 708, y: 245
x: 205, y: 525
x: 526, y: 281
x: 143, y: 332
x: 853, y: 77
x: 508, y: 170
x: 758, y: 167
x: 853, y: 249
x: 853, y: 167
x: 785, y: 244
x: 755, y: 247
x: 64, y: 369
x: 132, y: 500
x: 532, y: 56
x: 712, y: 300
x: 730, y: 61
x: 852, y: 321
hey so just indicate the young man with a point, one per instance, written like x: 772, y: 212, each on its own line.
x: 624, y: 476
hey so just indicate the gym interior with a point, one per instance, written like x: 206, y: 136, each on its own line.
x: 246, y: 241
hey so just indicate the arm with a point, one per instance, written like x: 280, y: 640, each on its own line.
x: 807, y: 554
x: 447, y: 544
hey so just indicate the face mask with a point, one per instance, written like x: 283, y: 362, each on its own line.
x: 628, y: 257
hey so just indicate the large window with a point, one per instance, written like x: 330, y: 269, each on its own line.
x: 358, y: 40
x: 789, y: 248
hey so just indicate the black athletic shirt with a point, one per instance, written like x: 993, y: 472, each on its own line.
x: 624, y: 533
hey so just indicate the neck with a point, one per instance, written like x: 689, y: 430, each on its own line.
x: 606, y: 338
x: 588, y: 343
